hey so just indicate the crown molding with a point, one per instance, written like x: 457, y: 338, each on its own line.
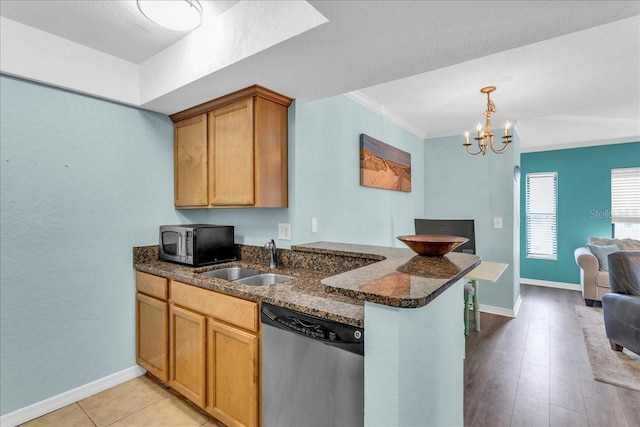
x: 373, y: 106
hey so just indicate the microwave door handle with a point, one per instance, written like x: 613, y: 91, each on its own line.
x: 181, y: 248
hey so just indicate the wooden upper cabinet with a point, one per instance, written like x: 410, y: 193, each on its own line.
x: 231, y: 154
x: 271, y: 169
x: 190, y: 162
x: 232, y: 151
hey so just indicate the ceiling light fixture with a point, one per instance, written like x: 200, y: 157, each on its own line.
x: 485, y: 137
x: 179, y: 15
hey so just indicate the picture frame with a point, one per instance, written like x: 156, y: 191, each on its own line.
x: 384, y: 166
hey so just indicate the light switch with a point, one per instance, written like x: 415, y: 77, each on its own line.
x: 314, y: 225
x: 284, y: 231
x: 497, y: 222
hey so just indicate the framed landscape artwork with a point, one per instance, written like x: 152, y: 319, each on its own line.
x: 384, y: 166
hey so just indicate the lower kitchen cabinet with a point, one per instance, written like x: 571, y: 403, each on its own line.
x: 214, y: 353
x: 187, y: 332
x: 203, y: 344
x: 152, y: 319
x: 232, y: 375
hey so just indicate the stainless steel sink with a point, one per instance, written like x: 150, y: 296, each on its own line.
x: 264, y: 279
x: 232, y: 273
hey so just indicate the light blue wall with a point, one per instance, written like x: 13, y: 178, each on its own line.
x: 461, y: 186
x: 326, y: 155
x: 324, y: 182
x: 84, y: 180
x: 584, y: 188
x: 407, y: 383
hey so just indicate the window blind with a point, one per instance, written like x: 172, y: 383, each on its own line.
x: 625, y: 195
x: 541, y: 215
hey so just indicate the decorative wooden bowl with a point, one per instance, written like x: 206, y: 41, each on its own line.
x: 432, y: 244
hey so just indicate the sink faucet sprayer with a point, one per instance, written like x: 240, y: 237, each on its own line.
x: 271, y: 247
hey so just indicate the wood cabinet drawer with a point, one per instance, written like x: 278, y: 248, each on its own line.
x: 151, y: 285
x: 213, y: 304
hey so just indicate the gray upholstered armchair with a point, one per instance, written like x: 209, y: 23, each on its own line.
x: 622, y: 306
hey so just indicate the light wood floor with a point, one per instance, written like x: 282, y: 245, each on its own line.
x: 529, y: 371
x: 534, y: 370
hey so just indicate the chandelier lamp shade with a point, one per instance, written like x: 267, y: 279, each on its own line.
x: 178, y: 15
x: 485, y: 137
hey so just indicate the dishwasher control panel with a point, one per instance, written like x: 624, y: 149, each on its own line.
x: 327, y: 331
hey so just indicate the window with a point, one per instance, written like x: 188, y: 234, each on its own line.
x: 625, y: 203
x: 541, y: 215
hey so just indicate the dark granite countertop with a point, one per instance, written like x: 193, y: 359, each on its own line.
x: 332, y: 280
x: 402, y: 279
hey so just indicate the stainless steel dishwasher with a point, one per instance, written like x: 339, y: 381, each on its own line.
x: 312, y: 371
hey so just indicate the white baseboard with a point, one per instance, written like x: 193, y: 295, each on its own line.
x: 51, y: 404
x: 516, y: 309
x: 500, y: 311
x: 549, y: 284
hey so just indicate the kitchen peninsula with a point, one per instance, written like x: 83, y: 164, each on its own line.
x: 409, y: 306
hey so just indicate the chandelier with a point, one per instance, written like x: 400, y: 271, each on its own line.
x: 485, y: 137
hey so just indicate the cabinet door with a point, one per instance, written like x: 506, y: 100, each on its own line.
x: 152, y: 345
x: 190, y: 162
x: 231, y: 154
x: 270, y: 129
x: 232, y: 381
x: 187, y: 333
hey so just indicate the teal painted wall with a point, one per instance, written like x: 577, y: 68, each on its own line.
x: 584, y: 191
x: 460, y: 186
x: 84, y: 180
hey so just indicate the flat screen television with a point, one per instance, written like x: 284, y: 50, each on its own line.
x: 450, y: 227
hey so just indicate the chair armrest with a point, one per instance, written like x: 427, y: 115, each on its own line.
x: 588, y: 264
x: 586, y: 261
x: 629, y: 305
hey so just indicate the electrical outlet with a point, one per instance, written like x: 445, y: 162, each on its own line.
x: 497, y: 222
x: 314, y: 225
x: 284, y: 231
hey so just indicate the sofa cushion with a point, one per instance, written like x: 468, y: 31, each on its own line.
x: 623, y: 244
x: 601, y: 252
x: 602, y: 280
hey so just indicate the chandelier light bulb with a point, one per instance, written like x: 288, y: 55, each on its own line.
x: 178, y: 15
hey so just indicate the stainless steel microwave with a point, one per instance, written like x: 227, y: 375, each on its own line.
x: 197, y: 244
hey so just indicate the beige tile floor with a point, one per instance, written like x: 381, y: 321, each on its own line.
x: 140, y: 402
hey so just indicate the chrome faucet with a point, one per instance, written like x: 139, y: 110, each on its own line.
x: 271, y: 247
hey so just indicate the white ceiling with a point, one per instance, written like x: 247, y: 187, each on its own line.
x: 112, y: 27
x: 568, y: 73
